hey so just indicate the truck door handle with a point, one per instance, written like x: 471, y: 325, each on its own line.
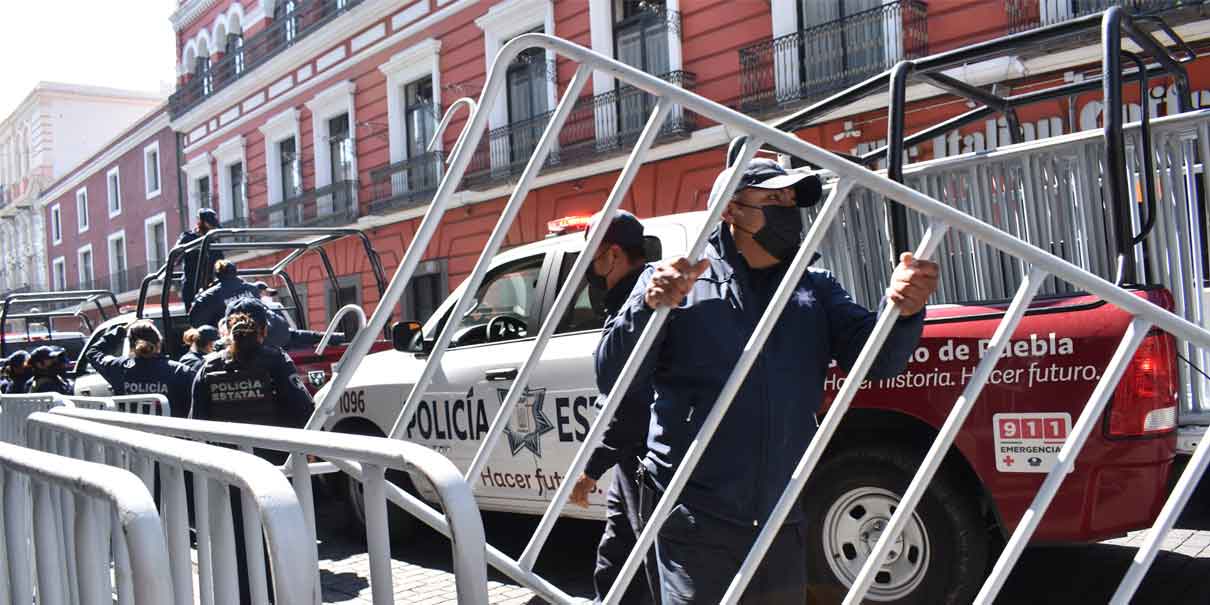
x: 501, y: 374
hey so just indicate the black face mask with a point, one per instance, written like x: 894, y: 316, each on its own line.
x: 597, y: 287
x: 782, y: 232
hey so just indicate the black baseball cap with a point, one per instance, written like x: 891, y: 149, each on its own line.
x: 764, y: 173
x: 263, y: 287
x: 208, y: 216
x: 46, y: 352
x: 207, y: 334
x: 625, y: 230
x: 17, y: 359
x: 253, y: 307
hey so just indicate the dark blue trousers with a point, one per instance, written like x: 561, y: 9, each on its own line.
x: 622, y: 526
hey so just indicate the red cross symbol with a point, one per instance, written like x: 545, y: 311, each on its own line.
x: 1008, y: 460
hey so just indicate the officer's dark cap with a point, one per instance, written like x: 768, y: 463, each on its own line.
x: 624, y: 230
x: 764, y: 173
x: 208, y: 216
x: 46, y: 352
x: 17, y: 359
x: 207, y: 334
x: 252, y: 307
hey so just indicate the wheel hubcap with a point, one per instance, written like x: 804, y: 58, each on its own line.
x: 853, y: 525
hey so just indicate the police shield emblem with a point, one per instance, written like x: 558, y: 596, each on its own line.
x: 528, y: 422
x: 316, y: 378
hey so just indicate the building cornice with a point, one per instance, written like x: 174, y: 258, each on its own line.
x: 189, y: 12
x: 135, y: 139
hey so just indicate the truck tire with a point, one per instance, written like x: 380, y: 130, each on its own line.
x: 402, y: 524
x: 941, y: 557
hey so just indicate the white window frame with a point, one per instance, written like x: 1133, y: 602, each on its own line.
x: 58, y: 269
x: 277, y: 129
x: 332, y: 102
x: 114, y: 194
x: 226, y: 154
x: 505, y: 21
x: 82, y: 222
x: 194, y: 170
x: 600, y: 31
x: 162, y: 219
x: 92, y: 265
x: 56, y: 224
x: 109, y: 240
x: 147, y: 172
x: 412, y: 64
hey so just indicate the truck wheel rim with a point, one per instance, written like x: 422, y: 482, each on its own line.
x: 852, y: 527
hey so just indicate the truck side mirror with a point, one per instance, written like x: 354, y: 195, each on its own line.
x: 403, y: 336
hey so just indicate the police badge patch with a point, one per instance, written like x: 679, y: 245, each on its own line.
x: 316, y: 378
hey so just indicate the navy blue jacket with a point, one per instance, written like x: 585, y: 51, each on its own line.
x: 210, y: 306
x: 285, y: 401
x: 625, y: 438
x: 49, y: 383
x: 130, y: 375
x: 189, y: 266
x: 192, y: 360
x: 748, y: 463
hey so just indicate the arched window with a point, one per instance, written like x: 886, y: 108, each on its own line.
x: 286, y: 13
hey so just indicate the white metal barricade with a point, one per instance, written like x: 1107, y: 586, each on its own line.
x: 15, y: 409
x: 35, y: 555
x: 272, y: 516
x: 152, y: 404
x: 854, y: 184
x: 369, y: 458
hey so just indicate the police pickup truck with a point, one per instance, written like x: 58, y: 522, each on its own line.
x: 1009, y: 441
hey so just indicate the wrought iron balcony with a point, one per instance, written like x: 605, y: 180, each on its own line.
x: 328, y: 206
x: 602, y: 124
x: 822, y: 59
x: 1028, y: 14
x: 406, y: 183
x: 280, y: 34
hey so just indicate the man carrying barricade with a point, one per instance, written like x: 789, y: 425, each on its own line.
x: 611, y: 277
x: 47, y: 371
x: 145, y: 370
x: 717, y: 303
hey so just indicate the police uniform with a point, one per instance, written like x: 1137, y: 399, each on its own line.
x: 209, y: 306
x: 12, y: 382
x: 49, y: 380
x: 131, y: 375
x: 190, y: 260
x: 265, y: 389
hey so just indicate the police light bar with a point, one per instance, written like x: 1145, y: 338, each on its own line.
x: 568, y: 224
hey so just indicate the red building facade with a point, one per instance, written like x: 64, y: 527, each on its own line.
x: 319, y: 112
x: 113, y: 218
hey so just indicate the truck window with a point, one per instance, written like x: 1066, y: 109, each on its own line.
x: 507, y: 300
x: 582, y: 315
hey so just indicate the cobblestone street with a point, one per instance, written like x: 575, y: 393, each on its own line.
x: 1050, y: 575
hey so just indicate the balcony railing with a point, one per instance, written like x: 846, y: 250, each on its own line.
x: 280, y: 34
x: 328, y: 206
x: 605, y: 123
x: 1028, y: 14
x: 406, y: 183
x: 820, y: 60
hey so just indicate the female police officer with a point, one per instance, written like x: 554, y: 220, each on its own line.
x: 145, y: 370
x: 201, y: 343
x: 252, y: 383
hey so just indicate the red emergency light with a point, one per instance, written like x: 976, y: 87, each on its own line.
x: 568, y: 224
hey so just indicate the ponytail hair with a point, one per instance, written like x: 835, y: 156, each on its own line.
x: 190, y: 337
x: 144, y: 338
x: 244, y: 333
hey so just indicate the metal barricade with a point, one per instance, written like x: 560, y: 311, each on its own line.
x: 35, y: 554
x: 148, y: 405
x: 855, y: 185
x: 1048, y: 193
x: 274, y: 528
x: 367, y: 459
x: 15, y: 409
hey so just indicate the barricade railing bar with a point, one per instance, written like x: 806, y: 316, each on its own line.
x: 274, y: 529
x: 35, y: 555
x: 940, y: 222
x: 15, y: 409
x: 365, y: 458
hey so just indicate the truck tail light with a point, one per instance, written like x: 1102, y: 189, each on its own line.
x: 1144, y: 402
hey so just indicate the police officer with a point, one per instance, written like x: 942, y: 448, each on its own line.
x: 611, y: 276
x: 207, y: 219
x: 201, y: 343
x: 14, y: 373
x: 717, y: 303
x: 47, y: 369
x: 208, y: 306
x: 145, y: 370
x: 252, y: 383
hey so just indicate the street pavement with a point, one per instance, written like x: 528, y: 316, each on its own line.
x: 1063, y: 575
